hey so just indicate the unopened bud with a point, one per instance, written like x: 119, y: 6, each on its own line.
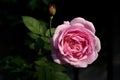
x: 52, y: 9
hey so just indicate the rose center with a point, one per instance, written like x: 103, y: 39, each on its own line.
x: 75, y: 46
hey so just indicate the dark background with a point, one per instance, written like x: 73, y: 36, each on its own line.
x: 104, y: 15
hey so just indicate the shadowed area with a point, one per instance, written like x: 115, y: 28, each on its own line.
x: 13, y: 33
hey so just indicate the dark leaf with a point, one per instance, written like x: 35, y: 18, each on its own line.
x: 33, y: 35
x: 34, y: 25
x: 47, y: 2
x: 39, y: 43
x: 61, y: 76
x: 48, y: 32
x: 47, y: 45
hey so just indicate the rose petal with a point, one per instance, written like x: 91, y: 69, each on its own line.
x: 77, y: 63
x: 57, y: 57
x: 84, y: 22
x: 61, y: 49
x: 89, y: 25
x: 58, y: 32
x: 97, y: 44
x: 77, y: 20
x: 56, y: 54
x: 77, y: 24
x: 91, y: 58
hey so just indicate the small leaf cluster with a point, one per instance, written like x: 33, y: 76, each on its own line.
x: 45, y: 68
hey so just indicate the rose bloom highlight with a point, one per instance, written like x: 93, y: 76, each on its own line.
x: 75, y: 43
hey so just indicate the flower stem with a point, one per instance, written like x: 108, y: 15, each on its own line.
x: 51, y: 18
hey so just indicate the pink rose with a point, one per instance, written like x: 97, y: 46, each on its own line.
x: 75, y: 43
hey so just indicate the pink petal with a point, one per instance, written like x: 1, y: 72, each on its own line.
x: 58, y: 32
x: 97, y: 44
x: 56, y: 54
x: 91, y: 58
x: 57, y: 57
x: 89, y: 25
x: 84, y: 22
x: 79, y: 64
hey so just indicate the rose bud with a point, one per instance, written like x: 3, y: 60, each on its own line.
x: 52, y: 9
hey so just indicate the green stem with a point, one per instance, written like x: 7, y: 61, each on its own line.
x: 51, y: 18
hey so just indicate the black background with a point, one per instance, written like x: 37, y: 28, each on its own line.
x: 104, y: 15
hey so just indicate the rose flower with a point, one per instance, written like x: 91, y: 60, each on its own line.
x: 75, y: 43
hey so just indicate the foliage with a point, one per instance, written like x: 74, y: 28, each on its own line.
x: 45, y: 68
x: 28, y: 55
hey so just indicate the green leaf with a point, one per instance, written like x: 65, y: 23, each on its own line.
x: 39, y: 43
x: 43, y: 27
x: 48, y: 32
x: 42, y: 61
x: 32, y: 46
x: 33, y: 4
x: 49, y: 73
x: 58, y: 67
x: 47, y: 2
x: 61, y: 76
x: 18, y: 61
x: 44, y: 68
x: 30, y: 43
x: 40, y: 72
x: 47, y: 45
x: 33, y: 35
x: 34, y: 25
x: 45, y: 39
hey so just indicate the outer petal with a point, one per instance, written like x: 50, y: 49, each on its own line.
x: 56, y: 54
x: 84, y: 22
x: 55, y: 57
x: 97, y: 44
x: 58, y: 32
x: 77, y: 63
x: 91, y: 58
